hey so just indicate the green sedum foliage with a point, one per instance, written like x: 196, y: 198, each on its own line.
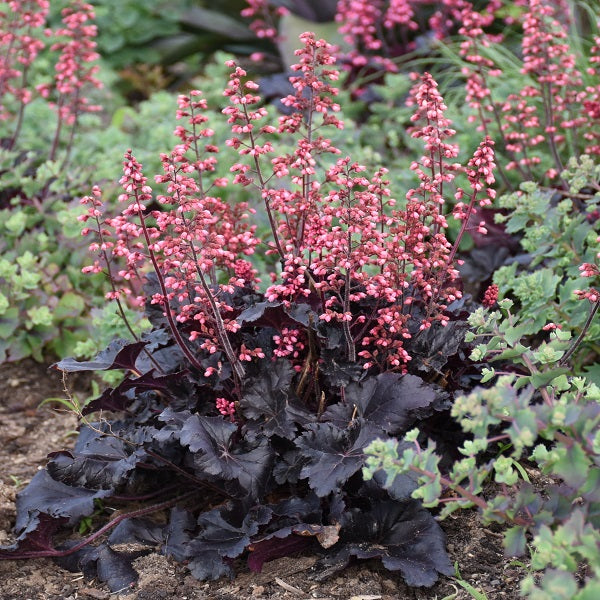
x: 533, y: 412
x: 557, y: 235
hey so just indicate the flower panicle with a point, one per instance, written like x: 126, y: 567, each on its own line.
x: 20, y: 43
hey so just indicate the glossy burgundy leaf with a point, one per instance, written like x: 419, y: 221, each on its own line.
x: 34, y: 537
x: 120, y: 354
x: 333, y: 454
x: 404, y: 535
x: 104, y: 564
x: 270, y: 400
x: 215, y: 454
x: 121, y: 397
x: 274, y: 547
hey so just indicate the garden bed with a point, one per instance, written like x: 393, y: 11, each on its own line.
x: 28, y: 433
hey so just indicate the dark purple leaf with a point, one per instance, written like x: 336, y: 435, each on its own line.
x: 35, y: 537
x: 120, y: 398
x: 496, y: 236
x: 209, y: 438
x: 105, y: 564
x: 172, y: 429
x: 209, y: 435
x: 120, y: 354
x: 95, y: 472
x: 303, y: 313
x: 208, y: 565
x: 274, y: 314
x: 400, y: 488
x: 273, y: 548
x: 296, y: 523
x: 333, y: 454
x: 404, y: 535
x: 100, y: 461
x: 257, y: 312
x: 225, y: 532
x: 270, y: 400
x: 432, y: 348
x: 45, y: 495
x: 111, y: 399
x: 479, y: 265
x: 393, y: 402
x: 287, y: 468
x: 137, y: 531
x: 338, y: 372
x: 178, y: 533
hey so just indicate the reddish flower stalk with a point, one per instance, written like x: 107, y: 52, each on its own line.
x: 73, y: 72
x: 546, y: 57
x: 340, y: 238
x: 19, y: 47
x: 263, y: 17
x: 480, y: 172
x: 377, y: 31
x: 104, y: 247
x: 553, y: 108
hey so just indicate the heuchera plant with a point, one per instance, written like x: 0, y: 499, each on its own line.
x: 553, y: 116
x: 260, y: 403
x: 379, y: 32
x: 39, y: 309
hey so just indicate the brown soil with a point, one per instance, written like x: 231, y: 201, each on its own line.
x: 27, y: 434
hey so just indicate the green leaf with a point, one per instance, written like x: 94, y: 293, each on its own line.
x: 216, y: 22
x: 4, y: 303
x: 590, y: 592
x: 9, y: 321
x: 515, y: 541
x: 40, y: 315
x: 513, y: 334
x: 560, y: 584
x: 572, y: 466
x: 15, y: 224
x: 541, y: 379
x: 70, y: 305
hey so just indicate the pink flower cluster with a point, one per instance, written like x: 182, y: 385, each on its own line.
x: 375, y: 30
x: 591, y: 294
x: 342, y: 243
x: 226, y: 408
x: 553, y: 101
x: 20, y: 32
x: 20, y: 44
x: 491, y: 297
x: 73, y: 71
x: 193, y: 239
x: 263, y: 17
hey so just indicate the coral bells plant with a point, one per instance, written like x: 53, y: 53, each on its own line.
x: 20, y: 47
x: 379, y: 32
x: 73, y: 71
x: 40, y: 253
x: 551, y: 117
x: 339, y: 237
x: 263, y: 394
